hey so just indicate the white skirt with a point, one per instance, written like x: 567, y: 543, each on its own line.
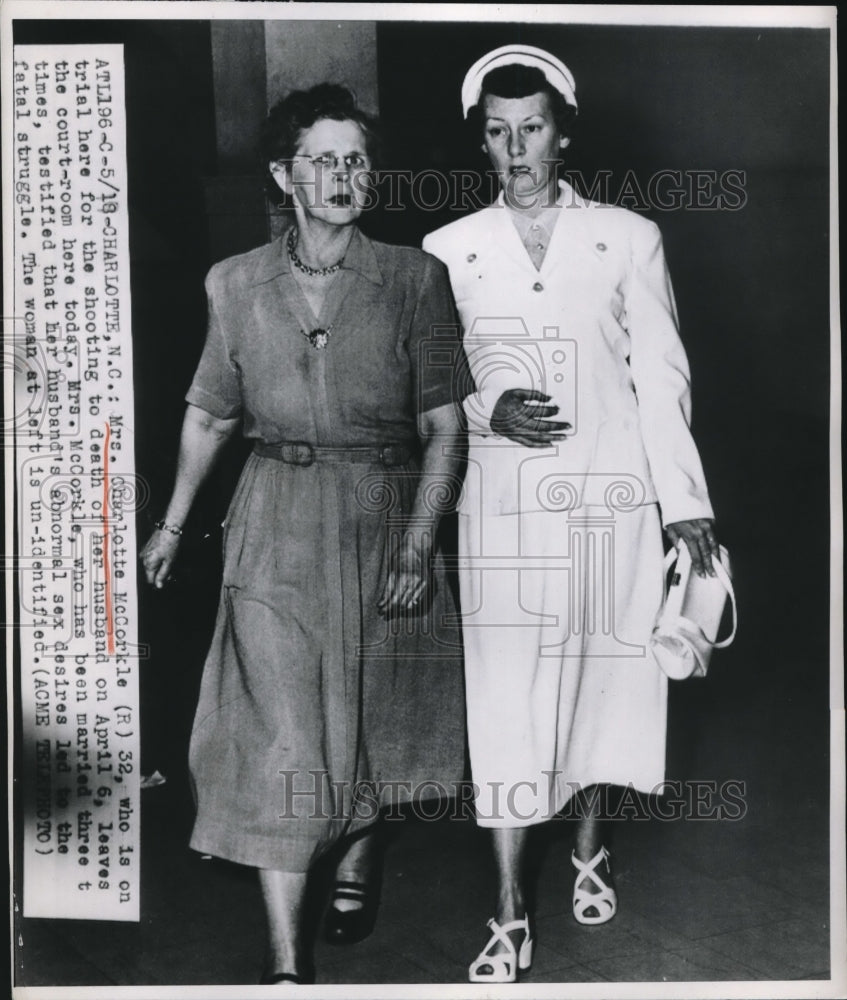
x: 562, y: 691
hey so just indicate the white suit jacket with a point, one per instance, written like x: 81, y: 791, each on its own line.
x: 596, y: 329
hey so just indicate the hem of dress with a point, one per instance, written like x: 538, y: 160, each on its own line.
x: 282, y: 853
x: 642, y: 786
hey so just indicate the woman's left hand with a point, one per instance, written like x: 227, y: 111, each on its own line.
x: 407, y: 577
x: 699, y: 535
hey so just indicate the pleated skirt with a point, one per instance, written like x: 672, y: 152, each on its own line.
x: 315, y: 711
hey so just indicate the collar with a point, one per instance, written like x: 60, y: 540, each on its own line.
x: 511, y: 242
x: 360, y: 257
x: 568, y: 197
x: 545, y: 220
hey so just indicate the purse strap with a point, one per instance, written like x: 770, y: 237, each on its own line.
x: 726, y: 582
x: 724, y: 577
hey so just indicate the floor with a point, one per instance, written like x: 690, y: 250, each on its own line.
x: 699, y: 900
x: 716, y: 900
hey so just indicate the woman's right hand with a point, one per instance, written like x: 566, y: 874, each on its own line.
x: 518, y: 416
x: 158, y: 556
x: 408, y: 577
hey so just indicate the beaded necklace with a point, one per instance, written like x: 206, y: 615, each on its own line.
x: 313, y: 272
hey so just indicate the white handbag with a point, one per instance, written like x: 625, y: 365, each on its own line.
x: 686, y: 629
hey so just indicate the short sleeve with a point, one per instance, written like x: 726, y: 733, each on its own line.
x: 439, y: 366
x: 216, y: 387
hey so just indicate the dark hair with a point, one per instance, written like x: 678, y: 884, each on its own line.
x: 290, y: 117
x: 517, y: 80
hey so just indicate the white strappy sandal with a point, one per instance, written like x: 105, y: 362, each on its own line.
x: 605, y: 901
x: 503, y: 965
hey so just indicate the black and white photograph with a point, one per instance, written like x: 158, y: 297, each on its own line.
x: 423, y: 537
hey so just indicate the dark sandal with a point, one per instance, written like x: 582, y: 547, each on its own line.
x: 304, y: 978
x: 272, y: 978
x: 351, y: 926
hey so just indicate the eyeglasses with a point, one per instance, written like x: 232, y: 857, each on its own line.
x: 325, y: 161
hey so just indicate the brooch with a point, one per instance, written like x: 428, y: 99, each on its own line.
x: 319, y: 337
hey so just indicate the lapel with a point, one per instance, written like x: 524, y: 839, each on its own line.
x: 506, y: 237
x: 571, y: 235
x: 360, y: 285
x: 278, y: 294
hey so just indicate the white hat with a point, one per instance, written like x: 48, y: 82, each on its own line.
x: 556, y: 72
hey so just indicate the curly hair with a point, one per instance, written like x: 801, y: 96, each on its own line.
x: 296, y: 113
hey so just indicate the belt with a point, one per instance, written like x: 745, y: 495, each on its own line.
x: 304, y: 454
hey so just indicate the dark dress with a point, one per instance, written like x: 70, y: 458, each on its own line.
x: 308, y: 693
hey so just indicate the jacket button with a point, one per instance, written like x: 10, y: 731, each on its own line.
x: 601, y: 247
x: 538, y: 287
x: 471, y: 258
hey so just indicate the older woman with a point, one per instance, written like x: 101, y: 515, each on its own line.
x: 329, y: 668
x: 568, y: 313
